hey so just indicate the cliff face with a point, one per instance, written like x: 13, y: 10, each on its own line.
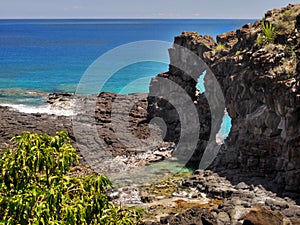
x: 173, y: 97
x: 260, y: 79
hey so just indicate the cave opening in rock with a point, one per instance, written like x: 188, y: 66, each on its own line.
x: 226, y: 121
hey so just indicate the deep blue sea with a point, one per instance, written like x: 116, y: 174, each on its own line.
x: 52, y: 55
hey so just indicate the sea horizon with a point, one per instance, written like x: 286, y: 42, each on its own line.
x: 41, y: 56
x: 124, y: 18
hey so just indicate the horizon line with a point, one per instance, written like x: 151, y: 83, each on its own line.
x: 120, y: 18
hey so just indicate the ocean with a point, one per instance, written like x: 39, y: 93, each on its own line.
x: 42, y: 56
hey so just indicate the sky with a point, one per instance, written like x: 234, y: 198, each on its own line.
x: 138, y: 8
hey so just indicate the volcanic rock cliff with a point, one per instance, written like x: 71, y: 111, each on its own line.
x: 259, y: 76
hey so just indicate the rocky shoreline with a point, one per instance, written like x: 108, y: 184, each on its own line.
x: 14, y: 123
x: 225, y: 203
x: 255, y: 177
x: 200, y: 197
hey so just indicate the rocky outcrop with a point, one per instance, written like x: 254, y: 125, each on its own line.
x: 242, y: 203
x: 261, y: 88
x: 183, y: 75
x: 207, y: 198
x: 260, y: 83
x: 174, y: 98
x: 15, y: 123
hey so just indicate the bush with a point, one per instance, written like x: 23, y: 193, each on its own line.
x: 220, y: 47
x: 268, y: 35
x: 35, y: 187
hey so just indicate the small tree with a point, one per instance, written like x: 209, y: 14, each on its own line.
x: 35, y: 188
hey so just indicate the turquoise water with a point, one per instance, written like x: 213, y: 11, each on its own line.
x: 41, y: 56
x: 52, y: 55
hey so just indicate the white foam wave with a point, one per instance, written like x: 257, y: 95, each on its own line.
x: 47, y: 109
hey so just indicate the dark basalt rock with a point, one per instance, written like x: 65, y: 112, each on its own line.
x: 182, y: 78
x: 192, y: 216
x: 261, y: 87
x: 15, y: 123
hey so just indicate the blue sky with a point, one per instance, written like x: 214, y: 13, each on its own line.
x: 137, y: 8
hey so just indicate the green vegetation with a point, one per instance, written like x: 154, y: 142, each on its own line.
x: 289, y: 75
x: 36, y: 189
x: 289, y: 51
x: 220, y: 47
x: 270, y: 47
x: 268, y: 35
x: 287, y: 67
x: 285, y: 21
x: 287, y: 16
x: 237, y: 53
x: 282, y: 61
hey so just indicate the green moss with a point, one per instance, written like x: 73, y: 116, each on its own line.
x: 170, y: 185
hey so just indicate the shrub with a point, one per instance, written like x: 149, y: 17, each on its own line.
x: 35, y: 187
x: 220, y: 47
x: 268, y: 35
